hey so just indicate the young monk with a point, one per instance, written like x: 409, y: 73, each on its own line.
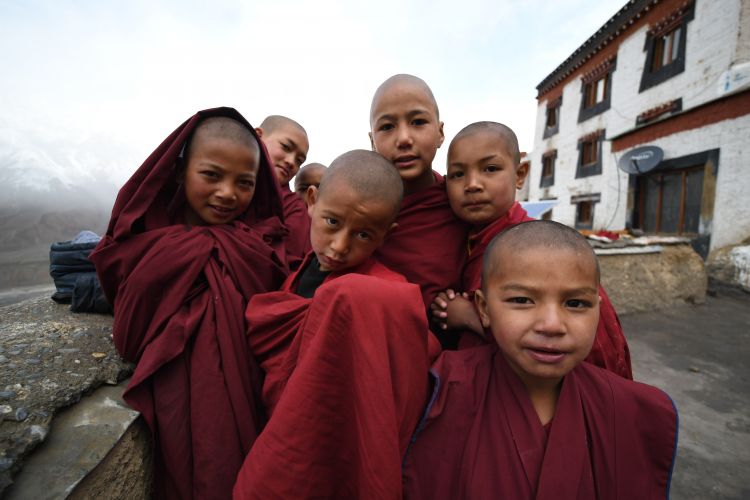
x: 483, y: 176
x: 428, y: 246
x: 287, y: 145
x: 524, y: 417
x: 309, y: 175
x: 344, y: 347
x: 186, y: 247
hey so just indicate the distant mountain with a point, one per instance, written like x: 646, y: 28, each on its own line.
x: 50, y: 190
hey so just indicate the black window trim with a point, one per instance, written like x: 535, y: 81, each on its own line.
x: 600, y: 107
x: 652, y: 78
x: 550, y: 131
x: 594, y: 168
x: 549, y: 180
x: 592, y: 198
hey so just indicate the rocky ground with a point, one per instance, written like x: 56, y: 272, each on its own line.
x: 49, y: 358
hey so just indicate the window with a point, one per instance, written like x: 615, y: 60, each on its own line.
x: 670, y: 202
x: 585, y: 215
x: 590, y: 154
x: 548, y: 169
x: 665, y: 47
x: 596, y: 89
x: 585, y: 209
x: 552, y: 122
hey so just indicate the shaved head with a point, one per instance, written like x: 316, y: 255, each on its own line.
x: 402, y: 79
x: 308, y: 175
x: 367, y: 173
x: 310, y: 168
x: 547, y: 234
x: 503, y: 133
x: 275, y: 122
x: 221, y: 127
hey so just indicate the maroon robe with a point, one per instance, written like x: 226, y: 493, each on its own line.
x: 610, y: 349
x: 179, y: 296
x: 346, y: 378
x: 429, y: 244
x: 298, y: 222
x: 610, y: 438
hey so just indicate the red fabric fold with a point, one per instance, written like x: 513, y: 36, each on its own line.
x: 298, y: 222
x: 610, y: 437
x: 429, y: 244
x: 345, y: 385
x: 179, y: 296
x: 610, y: 349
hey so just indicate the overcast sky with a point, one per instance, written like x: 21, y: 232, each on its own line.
x: 110, y: 80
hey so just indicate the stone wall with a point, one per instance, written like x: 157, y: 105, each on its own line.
x: 644, y: 282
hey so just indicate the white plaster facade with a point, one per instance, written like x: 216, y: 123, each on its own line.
x: 717, y: 40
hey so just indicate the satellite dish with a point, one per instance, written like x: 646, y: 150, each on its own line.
x: 641, y: 160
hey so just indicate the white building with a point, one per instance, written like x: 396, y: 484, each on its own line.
x: 673, y: 74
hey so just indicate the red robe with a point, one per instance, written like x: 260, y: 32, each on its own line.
x: 179, y: 296
x: 610, y: 438
x: 610, y: 349
x: 345, y: 386
x: 429, y: 244
x: 298, y: 222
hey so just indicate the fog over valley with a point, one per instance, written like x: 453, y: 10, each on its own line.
x: 53, y: 185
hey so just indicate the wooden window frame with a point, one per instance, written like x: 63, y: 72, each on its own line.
x: 548, y: 178
x: 592, y: 103
x: 585, y: 202
x: 590, y: 154
x: 656, y: 69
x: 553, y: 109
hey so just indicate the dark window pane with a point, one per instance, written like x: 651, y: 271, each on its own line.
x: 675, y: 44
x: 694, y: 192
x: 670, y: 205
x: 651, y: 196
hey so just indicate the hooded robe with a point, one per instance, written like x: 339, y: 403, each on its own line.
x: 179, y: 294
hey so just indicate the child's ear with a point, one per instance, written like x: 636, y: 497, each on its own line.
x: 522, y: 171
x: 392, y: 228
x: 311, y: 196
x: 481, y: 303
x: 259, y: 131
x: 442, y: 135
x: 372, y: 141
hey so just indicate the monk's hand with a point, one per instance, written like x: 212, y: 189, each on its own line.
x: 439, y: 308
x: 461, y: 313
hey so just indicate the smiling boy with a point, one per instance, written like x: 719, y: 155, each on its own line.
x: 287, y: 145
x: 190, y: 240
x: 428, y: 247
x: 524, y: 417
x: 345, y: 349
x: 219, y: 178
x: 484, y: 172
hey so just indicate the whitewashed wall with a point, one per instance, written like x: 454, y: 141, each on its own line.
x: 712, y: 47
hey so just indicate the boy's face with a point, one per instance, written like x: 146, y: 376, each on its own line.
x: 345, y: 229
x: 219, y: 181
x: 482, y: 178
x: 406, y: 130
x: 287, y: 149
x: 542, y: 306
